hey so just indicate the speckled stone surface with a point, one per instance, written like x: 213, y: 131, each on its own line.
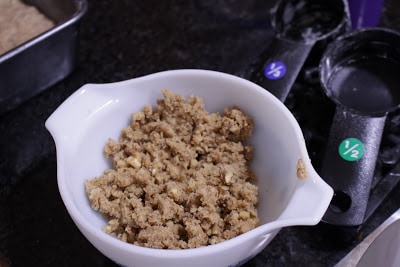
x: 119, y: 40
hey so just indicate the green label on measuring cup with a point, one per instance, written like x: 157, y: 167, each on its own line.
x: 351, y: 149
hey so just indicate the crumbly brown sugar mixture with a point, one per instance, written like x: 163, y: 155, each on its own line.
x: 180, y: 178
x: 19, y: 23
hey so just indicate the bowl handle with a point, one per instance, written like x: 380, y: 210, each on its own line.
x: 309, y: 203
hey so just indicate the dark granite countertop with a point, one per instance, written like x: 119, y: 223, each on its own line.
x: 124, y: 39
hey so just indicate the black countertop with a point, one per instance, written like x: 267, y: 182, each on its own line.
x: 124, y: 39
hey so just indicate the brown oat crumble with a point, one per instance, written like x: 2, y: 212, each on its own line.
x: 181, y: 176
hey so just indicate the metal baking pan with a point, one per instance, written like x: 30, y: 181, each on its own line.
x: 379, y: 248
x: 44, y: 60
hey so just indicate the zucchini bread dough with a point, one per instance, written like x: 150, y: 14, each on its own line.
x: 19, y: 23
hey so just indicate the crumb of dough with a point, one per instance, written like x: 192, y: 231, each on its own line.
x: 181, y: 177
x: 19, y: 23
x: 301, y: 170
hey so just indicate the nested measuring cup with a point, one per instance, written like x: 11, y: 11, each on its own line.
x: 360, y: 72
x: 298, y: 26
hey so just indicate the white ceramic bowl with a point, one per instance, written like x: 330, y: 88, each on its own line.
x: 84, y: 122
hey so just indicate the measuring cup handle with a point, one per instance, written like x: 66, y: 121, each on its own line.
x: 284, y: 60
x: 349, y: 165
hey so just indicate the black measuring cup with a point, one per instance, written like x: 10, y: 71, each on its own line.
x: 298, y: 25
x: 360, y: 73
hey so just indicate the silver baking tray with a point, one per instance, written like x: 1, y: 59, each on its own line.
x: 44, y: 60
x: 379, y: 248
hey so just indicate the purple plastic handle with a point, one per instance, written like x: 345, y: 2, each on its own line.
x: 365, y: 13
